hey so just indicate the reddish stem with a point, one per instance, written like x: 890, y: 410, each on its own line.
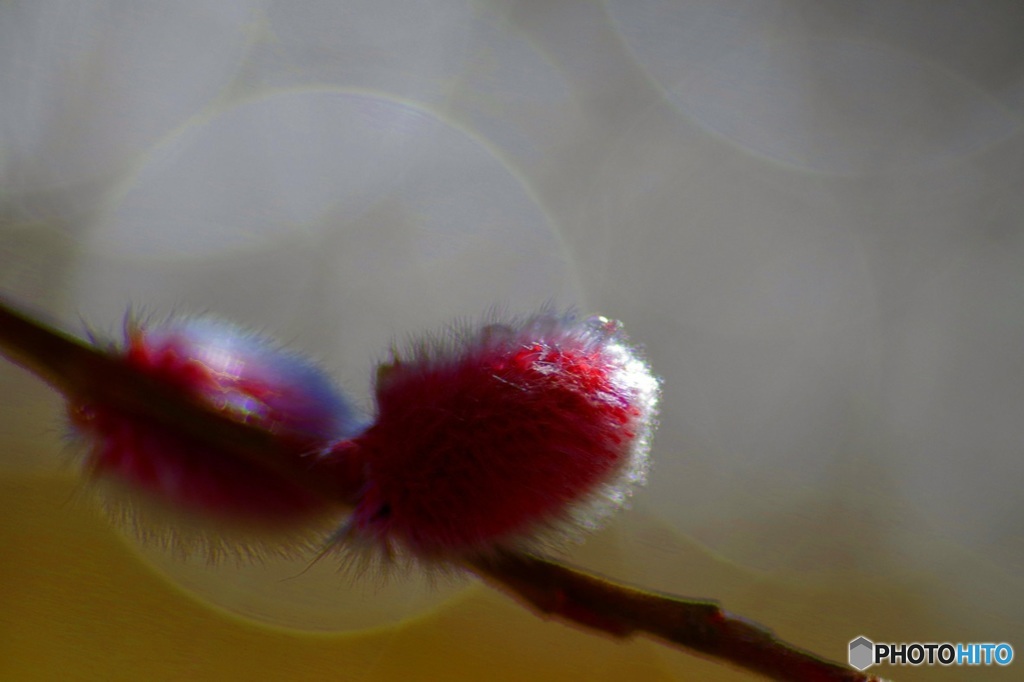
x: 582, y: 598
x: 83, y: 373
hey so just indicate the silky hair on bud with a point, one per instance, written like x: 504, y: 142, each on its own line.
x: 174, y: 489
x: 515, y: 434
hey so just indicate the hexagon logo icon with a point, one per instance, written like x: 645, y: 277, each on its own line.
x: 862, y: 653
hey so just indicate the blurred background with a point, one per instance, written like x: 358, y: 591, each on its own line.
x: 809, y: 213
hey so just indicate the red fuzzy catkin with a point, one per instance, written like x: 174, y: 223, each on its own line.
x: 241, y: 376
x: 510, y: 436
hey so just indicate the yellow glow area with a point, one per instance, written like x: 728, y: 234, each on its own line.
x: 77, y: 604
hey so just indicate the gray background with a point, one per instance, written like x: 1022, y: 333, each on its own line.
x: 809, y: 213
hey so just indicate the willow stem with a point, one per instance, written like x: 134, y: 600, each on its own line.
x: 556, y: 590
x: 84, y: 373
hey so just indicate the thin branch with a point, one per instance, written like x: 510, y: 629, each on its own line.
x: 555, y: 590
x: 84, y: 374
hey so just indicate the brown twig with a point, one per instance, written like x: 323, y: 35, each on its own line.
x: 84, y: 373
x: 556, y: 590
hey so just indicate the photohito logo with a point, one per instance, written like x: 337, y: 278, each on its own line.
x: 864, y: 653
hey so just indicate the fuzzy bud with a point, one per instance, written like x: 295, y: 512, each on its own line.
x: 508, y: 436
x: 242, y: 376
